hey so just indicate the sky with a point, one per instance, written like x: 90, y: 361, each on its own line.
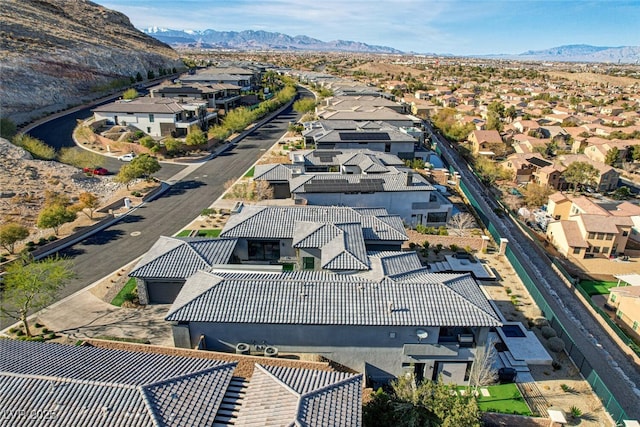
x: 459, y: 27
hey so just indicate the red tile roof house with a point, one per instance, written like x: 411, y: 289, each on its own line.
x: 486, y: 142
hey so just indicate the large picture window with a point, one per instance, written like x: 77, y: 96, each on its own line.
x: 264, y: 250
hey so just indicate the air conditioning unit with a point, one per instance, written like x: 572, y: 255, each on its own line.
x: 270, y: 351
x: 242, y: 348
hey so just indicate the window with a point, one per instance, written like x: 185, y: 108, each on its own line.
x: 576, y: 251
x: 600, y: 236
x: 625, y: 233
x: 148, y: 129
x: 260, y: 250
x: 613, y: 297
x: 308, y: 263
x: 619, y: 314
x: 437, y: 217
x: 596, y: 249
x: 609, y: 236
x: 635, y: 325
x: 592, y: 236
x: 151, y: 118
x: 605, y: 250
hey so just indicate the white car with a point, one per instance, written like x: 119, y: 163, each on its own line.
x: 126, y: 157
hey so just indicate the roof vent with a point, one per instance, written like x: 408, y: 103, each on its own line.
x: 270, y: 351
x: 242, y: 348
x: 390, y: 307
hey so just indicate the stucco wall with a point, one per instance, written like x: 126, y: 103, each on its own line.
x: 381, y: 347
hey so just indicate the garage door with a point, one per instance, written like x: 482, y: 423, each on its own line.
x: 163, y: 292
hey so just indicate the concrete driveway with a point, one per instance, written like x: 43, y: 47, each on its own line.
x: 83, y: 315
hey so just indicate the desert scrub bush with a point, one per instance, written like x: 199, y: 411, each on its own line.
x: 548, y: 332
x: 556, y: 344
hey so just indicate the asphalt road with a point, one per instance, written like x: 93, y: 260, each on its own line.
x: 601, y: 352
x: 109, y: 250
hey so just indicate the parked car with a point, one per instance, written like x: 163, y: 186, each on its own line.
x: 127, y: 157
x: 95, y: 171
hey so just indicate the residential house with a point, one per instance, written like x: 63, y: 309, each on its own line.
x: 427, y: 324
x: 67, y: 385
x: 607, y: 179
x: 217, y: 95
x: 360, y: 103
x: 157, y: 117
x: 359, y: 179
x: 164, y: 268
x: 486, y: 142
x: 583, y: 228
x: 381, y: 114
x: 625, y: 300
x: 532, y: 167
x: 350, y: 135
x: 597, y: 149
x: 247, y: 78
x: 268, y: 235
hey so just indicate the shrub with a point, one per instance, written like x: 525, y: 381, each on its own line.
x: 37, y: 325
x: 556, y: 344
x: 37, y: 148
x: 30, y: 244
x: 412, y: 246
x: 42, y: 241
x: 45, y: 331
x: 20, y: 332
x: 548, y: 332
x: 207, y: 212
x: 453, y: 247
x: 147, y: 142
x: 575, y: 412
x: 52, y: 238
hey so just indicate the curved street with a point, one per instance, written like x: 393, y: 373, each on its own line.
x: 620, y: 375
x: 128, y: 239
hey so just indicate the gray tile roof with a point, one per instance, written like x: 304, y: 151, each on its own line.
x: 146, y: 105
x: 176, y: 257
x: 281, y: 396
x: 394, y: 263
x: 88, y: 386
x: 347, y: 183
x: 350, y: 157
x: 273, y: 172
x: 275, y: 222
x: 321, y: 298
x: 342, y: 245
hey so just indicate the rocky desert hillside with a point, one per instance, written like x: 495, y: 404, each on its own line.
x: 59, y: 53
x: 23, y: 182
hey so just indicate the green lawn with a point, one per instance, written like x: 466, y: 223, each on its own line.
x: 128, y: 288
x: 212, y: 232
x: 592, y: 287
x: 504, y: 399
x: 250, y: 172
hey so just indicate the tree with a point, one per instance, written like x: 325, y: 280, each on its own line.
x: 172, y: 145
x: 196, y: 137
x: 493, y: 121
x: 11, y: 233
x: 31, y: 286
x: 536, y: 195
x: 130, y: 94
x: 88, y: 201
x: 304, y: 105
x: 262, y: 190
x: 483, y: 371
x: 580, y: 174
x: 461, y: 221
x: 612, y: 157
x: 428, y: 403
x: 139, y: 77
x: 53, y: 216
x: 145, y: 165
x: 635, y: 153
x: 621, y: 193
x: 511, y: 113
x: 126, y: 175
x: 7, y: 128
x: 151, y: 75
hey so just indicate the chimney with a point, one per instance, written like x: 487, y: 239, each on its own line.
x: 409, y: 179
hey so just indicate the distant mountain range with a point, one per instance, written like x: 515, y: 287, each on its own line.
x: 250, y: 40
x: 585, y: 53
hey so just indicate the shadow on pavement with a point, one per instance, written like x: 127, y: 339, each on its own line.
x: 102, y: 238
